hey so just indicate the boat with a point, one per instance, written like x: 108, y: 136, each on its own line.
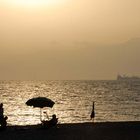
x: 128, y: 78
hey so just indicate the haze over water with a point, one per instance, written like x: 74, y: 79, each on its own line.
x: 114, y: 100
x: 69, y: 39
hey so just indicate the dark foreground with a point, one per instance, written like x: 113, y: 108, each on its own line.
x: 78, y: 131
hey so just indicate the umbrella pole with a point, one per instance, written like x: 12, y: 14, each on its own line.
x: 47, y: 115
x: 40, y: 115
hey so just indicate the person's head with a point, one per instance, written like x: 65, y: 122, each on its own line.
x: 53, y: 116
x: 1, y: 105
x: 5, y: 117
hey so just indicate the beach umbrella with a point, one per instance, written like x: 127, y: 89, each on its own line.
x: 40, y: 102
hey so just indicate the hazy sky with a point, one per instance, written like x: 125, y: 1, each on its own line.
x: 69, y: 39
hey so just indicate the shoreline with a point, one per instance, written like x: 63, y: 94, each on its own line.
x: 75, y: 131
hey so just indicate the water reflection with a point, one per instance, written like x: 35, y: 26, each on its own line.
x: 115, y: 101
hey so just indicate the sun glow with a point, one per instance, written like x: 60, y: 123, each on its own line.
x: 34, y: 3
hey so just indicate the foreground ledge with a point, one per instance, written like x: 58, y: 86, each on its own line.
x: 75, y: 131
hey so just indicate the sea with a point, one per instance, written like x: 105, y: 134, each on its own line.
x: 114, y: 100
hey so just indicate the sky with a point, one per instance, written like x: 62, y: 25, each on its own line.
x: 68, y: 39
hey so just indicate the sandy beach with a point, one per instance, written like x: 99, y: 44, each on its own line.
x: 76, y: 131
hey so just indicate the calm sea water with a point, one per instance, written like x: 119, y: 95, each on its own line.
x: 114, y: 100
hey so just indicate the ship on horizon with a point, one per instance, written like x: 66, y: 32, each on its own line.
x: 128, y: 78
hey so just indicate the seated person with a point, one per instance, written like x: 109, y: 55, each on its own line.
x: 50, y: 123
x: 3, y: 122
x: 54, y: 120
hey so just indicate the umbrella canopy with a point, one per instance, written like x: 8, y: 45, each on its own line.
x: 40, y: 102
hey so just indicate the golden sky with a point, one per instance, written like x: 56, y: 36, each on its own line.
x: 69, y: 39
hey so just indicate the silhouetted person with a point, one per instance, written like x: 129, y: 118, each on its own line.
x: 92, y: 116
x: 3, y: 122
x: 50, y: 123
x: 54, y: 120
x: 1, y: 110
x: 3, y: 119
